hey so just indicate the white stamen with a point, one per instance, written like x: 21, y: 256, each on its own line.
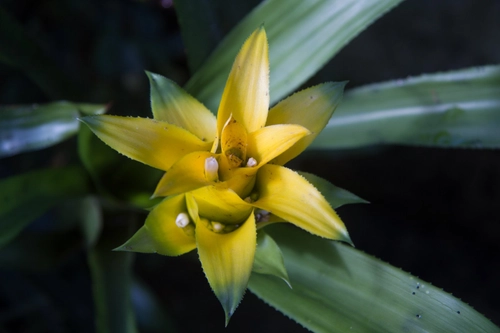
x: 251, y: 162
x: 182, y: 220
x: 211, y: 169
x: 217, y: 226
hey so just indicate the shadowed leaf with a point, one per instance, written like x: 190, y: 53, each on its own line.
x: 337, y: 288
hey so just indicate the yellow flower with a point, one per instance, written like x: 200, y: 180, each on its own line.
x: 224, y: 176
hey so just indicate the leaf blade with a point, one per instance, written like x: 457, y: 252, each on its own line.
x: 268, y: 258
x: 338, y: 288
x: 453, y: 109
x: 300, y: 40
x: 203, y: 25
x: 23, y: 202
x: 27, y: 128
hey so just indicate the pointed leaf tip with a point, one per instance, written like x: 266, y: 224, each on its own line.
x: 227, y: 260
x: 228, y: 317
x: 346, y: 238
x: 305, y: 206
x: 141, y: 242
x: 170, y: 103
x: 246, y: 94
x: 269, y: 259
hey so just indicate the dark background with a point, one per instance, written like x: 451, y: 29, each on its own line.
x: 433, y: 212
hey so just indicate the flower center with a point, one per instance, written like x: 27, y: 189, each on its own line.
x: 221, y: 228
x: 234, y: 143
x: 251, y: 162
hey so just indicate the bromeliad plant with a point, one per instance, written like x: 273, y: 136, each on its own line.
x: 224, y: 178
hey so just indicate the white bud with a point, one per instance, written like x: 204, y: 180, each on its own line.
x: 218, y: 227
x: 251, y: 162
x: 211, y: 169
x: 182, y: 220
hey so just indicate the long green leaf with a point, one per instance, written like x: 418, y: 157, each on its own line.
x: 28, y: 196
x: 454, y: 109
x: 73, y: 225
x: 25, y: 128
x: 204, y: 24
x: 337, y: 288
x: 303, y: 36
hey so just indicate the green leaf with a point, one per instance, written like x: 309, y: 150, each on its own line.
x: 268, y: 258
x: 454, y: 109
x: 91, y: 220
x: 335, y: 196
x: 69, y: 228
x: 112, y: 283
x: 86, y: 213
x: 204, y: 24
x: 26, y: 197
x: 303, y: 36
x: 172, y: 104
x: 20, y: 50
x: 337, y: 288
x: 26, y: 128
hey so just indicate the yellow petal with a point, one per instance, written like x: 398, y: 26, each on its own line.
x: 241, y: 181
x: 227, y: 261
x: 185, y: 175
x: 270, y: 141
x: 311, y: 108
x: 172, y: 104
x: 246, y: 95
x: 168, y: 238
x: 290, y: 196
x: 149, y: 141
x: 221, y: 205
x: 192, y: 208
